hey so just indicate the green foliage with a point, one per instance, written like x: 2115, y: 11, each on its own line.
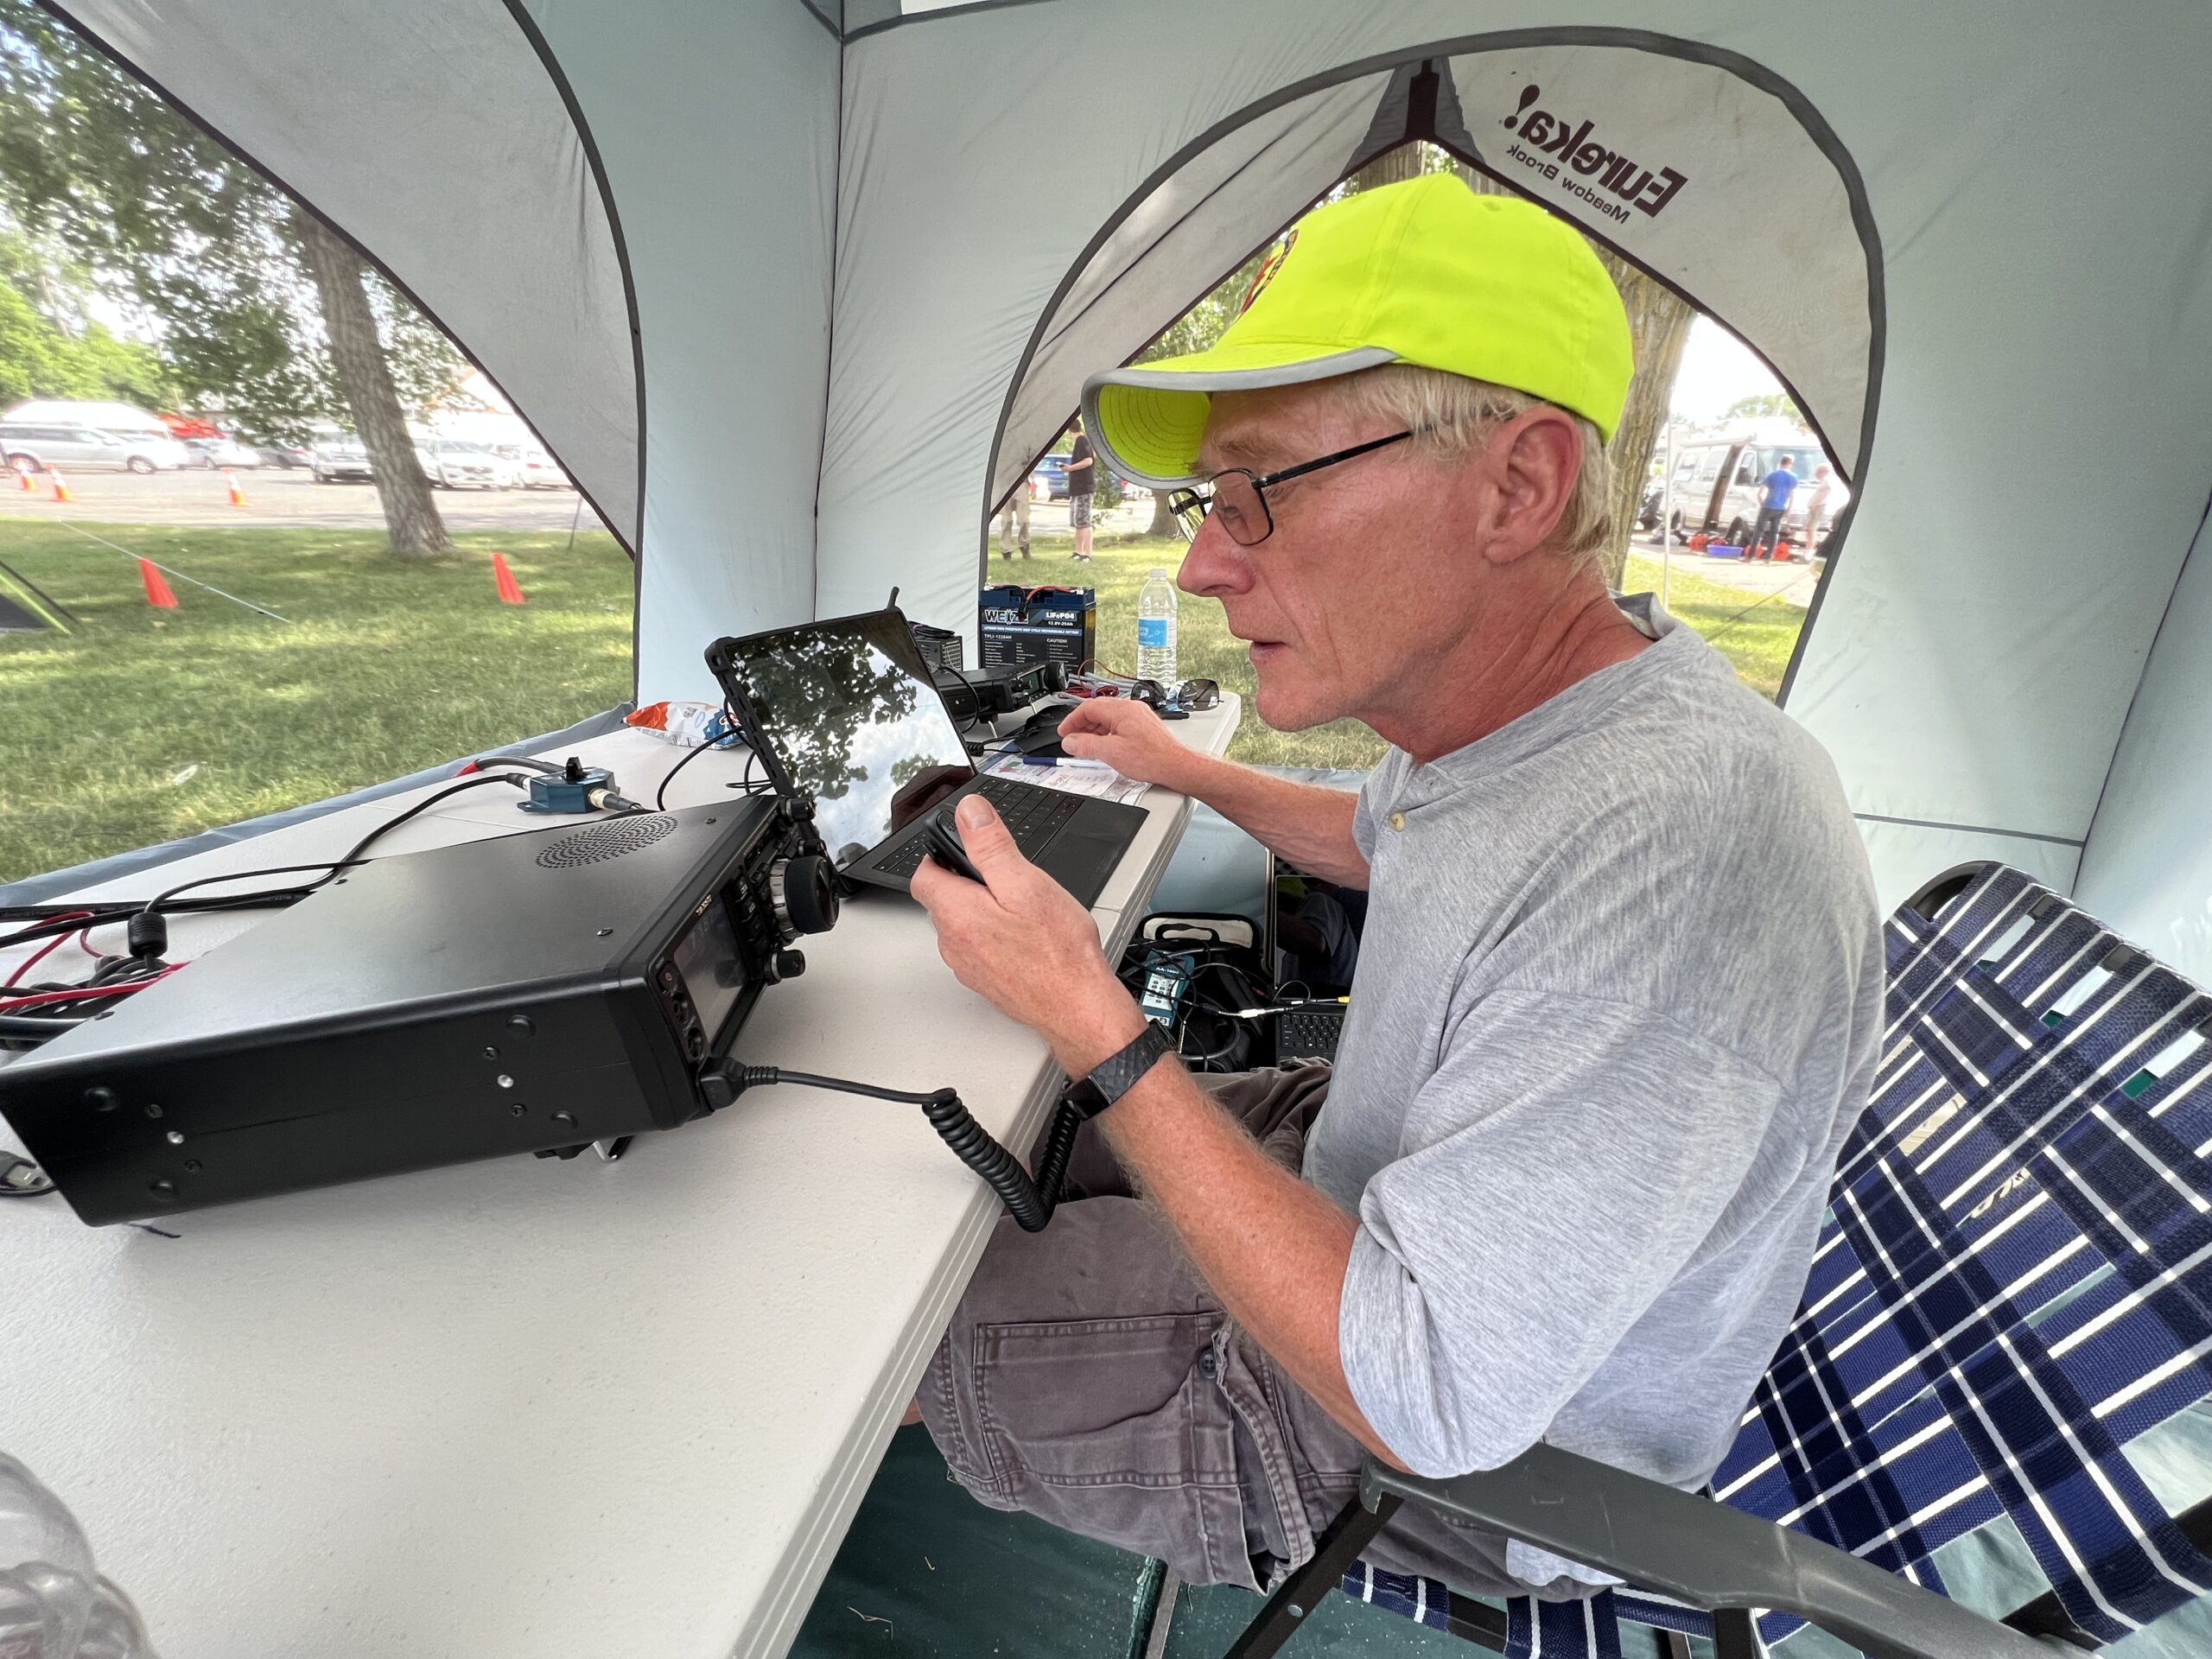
x: 39, y: 358
x: 174, y: 225
x: 1766, y: 403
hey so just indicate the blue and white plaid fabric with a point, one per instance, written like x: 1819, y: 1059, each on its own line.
x: 2014, y: 1282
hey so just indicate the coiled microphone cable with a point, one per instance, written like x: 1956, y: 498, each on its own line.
x: 1029, y: 1200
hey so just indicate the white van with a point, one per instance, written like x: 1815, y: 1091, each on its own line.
x: 1715, y: 488
x: 37, y: 447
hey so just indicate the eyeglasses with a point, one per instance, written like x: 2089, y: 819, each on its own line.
x: 1238, y: 498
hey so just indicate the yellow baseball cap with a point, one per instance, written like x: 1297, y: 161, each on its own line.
x: 1425, y: 272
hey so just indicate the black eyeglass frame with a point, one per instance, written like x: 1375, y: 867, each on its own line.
x: 1186, y: 502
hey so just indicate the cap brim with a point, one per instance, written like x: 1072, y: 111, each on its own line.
x: 1148, y: 422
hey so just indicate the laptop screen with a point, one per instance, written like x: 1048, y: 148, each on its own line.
x: 858, y: 722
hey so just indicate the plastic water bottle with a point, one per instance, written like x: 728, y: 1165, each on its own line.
x: 54, y: 1605
x: 1156, y: 631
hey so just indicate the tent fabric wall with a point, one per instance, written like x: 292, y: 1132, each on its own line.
x: 2147, y: 868
x: 429, y: 132
x: 716, y: 121
x: 1181, y: 239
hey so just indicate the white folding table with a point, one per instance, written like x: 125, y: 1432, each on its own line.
x: 531, y: 1407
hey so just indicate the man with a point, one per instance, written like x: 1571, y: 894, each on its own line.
x: 1083, y: 484
x: 1774, y: 502
x: 1817, y: 509
x: 1015, y: 512
x: 1617, y: 1004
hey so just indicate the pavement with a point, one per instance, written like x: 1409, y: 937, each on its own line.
x: 274, y: 496
x: 1764, y: 577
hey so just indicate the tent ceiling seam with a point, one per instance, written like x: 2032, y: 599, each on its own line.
x: 596, y: 162
x: 829, y: 344
x: 2120, y: 737
x: 1969, y: 828
x: 835, y: 33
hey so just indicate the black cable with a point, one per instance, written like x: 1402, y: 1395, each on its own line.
x: 331, y: 866
x: 660, y: 795
x: 41, y: 1026
x: 1029, y: 1201
x: 486, y: 762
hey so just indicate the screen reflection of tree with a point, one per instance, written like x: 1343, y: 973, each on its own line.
x: 818, y: 694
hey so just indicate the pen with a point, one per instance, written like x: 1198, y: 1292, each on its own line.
x: 1065, y: 760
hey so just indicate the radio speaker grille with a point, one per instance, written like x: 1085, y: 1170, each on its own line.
x: 609, y: 838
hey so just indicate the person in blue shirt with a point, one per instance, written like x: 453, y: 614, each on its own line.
x: 1773, y: 501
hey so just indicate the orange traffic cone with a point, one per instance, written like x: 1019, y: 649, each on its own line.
x: 238, y: 495
x: 23, y: 482
x: 60, y: 485
x: 510, y: 590
x: 157, y: 591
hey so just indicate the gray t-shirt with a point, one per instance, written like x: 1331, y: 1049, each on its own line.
x: 1617, y: 1006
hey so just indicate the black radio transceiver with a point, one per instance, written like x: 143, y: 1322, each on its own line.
x: 534, y: 993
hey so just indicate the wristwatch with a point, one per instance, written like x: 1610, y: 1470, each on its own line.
x: 1117, y: 1074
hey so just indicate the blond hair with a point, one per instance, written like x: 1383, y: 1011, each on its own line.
x: 1451, y: 414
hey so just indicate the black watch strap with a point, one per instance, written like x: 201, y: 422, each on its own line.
x: 1117, y: 1074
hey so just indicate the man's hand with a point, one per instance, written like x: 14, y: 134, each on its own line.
x: 1130, y: 738
x: 1022, y: 943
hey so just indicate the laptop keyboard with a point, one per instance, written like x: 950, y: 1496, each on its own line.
x: 1309, y: 1034
x: 1033, y: 813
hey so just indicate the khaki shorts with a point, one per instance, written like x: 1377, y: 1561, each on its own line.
x: 1090, y: 1378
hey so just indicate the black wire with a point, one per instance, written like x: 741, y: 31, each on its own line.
x: 660, y: 795
x: 1029, y: 1199
x: 347, y: 861
x: 105, y: 913
x: 25, y: 1024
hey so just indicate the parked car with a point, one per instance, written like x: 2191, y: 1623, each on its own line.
x: 534, y: 468
x: 1716, y: 488
x: 219, y: 451
x: 341, y: 459
x: 1052, y: 475
x: 35, y: 448
x: 454, y: 464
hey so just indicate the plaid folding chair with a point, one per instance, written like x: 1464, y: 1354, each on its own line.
x: 2014, y: 1283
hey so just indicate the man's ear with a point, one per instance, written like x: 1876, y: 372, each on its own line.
x: 1529, y: 466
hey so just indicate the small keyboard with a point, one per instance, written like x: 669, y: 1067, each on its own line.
x: 1033, y: 813
x: 1308, y: 1033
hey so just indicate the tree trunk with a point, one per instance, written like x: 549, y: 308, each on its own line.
x: 1163, y: 522
x: 1658, y: 326
x: 410, y: 516
x: 1392, y: 167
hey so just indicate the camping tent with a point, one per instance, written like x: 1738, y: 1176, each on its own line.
x: 855, y: 260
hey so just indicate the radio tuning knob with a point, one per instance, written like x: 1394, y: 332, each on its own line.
x: 804, y: 893
x: 789, y: 964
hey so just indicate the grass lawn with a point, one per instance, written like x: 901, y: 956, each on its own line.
x: 142, y: 725
x: 1756, y: 638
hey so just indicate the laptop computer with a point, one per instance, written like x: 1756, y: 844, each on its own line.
x: 848, y: 711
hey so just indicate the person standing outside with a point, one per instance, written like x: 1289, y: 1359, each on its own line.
x: 1773, y: 501
x: 1083, y: 484
x: 1016, y: 513
x: 1823, y: 492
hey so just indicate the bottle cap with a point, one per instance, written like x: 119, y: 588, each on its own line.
x: 1161, y: 572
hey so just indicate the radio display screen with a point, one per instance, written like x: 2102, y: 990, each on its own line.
x: 708, y: 959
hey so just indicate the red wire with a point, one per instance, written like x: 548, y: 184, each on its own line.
x: 43, y: 999
x: 48, y: 947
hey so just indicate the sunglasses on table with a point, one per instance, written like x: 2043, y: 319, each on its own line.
x: 1238, y: 498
